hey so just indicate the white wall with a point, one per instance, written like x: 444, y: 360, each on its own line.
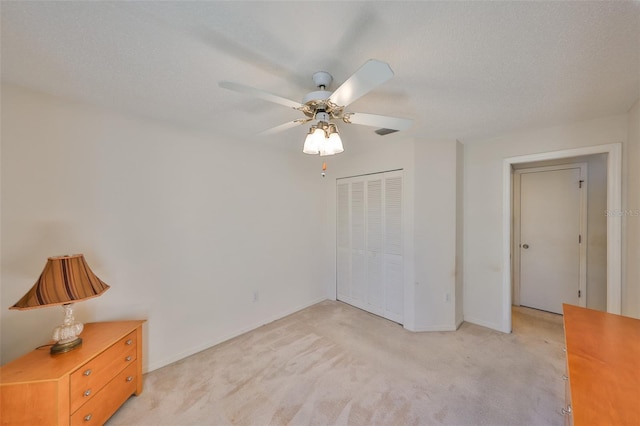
x: 631, y: 204
x: 459, y: 308
x: 436, y: 222
x: 184, y: 227
x: 483, y: 293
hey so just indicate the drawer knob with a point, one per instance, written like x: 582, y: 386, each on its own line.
x: 87, y: 417
x: 565, y: 377
x: 128, y: 358
x: 87, y: 372
x: 129, y: 342
x: 130, y: 378
x: 87, y: 392
x: 567, y: 411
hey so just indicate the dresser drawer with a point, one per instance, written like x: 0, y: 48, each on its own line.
x: 98, y: 409
x: 92, y: 376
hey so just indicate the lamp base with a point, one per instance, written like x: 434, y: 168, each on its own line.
x: 60, y: 348
x: 66, y: 335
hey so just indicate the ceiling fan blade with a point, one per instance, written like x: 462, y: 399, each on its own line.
x: 260, y: 94
x: 285, y: 126
x: 372, y: 74
x: 381, y: 121
x: 265, y: 61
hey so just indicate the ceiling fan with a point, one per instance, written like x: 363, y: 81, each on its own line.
x: 325, y: 107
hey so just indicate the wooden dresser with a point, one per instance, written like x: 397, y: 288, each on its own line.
x: 603, y: 365
x: 82, y: 387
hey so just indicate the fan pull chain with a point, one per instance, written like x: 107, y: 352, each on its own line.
x: 324, y: 169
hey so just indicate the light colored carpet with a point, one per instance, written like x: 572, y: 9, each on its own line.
x: 332, y: 364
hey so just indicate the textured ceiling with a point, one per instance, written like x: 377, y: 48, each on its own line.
x: 463, y: 70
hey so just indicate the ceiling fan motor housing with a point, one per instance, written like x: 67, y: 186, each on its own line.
x: 322, y: 79
x: 318, y: 95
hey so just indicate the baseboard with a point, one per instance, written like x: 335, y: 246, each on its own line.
x: 482, y: 323
x: 236, y: 333
x: 459, y: 323
x: 441, y: 327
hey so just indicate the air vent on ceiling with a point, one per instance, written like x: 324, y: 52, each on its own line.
x: 383, y: 132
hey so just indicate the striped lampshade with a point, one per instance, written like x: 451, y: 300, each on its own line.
x: 65, y: 279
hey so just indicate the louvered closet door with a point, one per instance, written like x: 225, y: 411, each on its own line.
x: 375, y: 273
x: 358, y: 273
x: 343, y: 242
x: 369, y: 243
x: 393, y: 259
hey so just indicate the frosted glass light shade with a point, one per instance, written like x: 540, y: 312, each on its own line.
x: 313, y: 142
x: 333, y: 144
x: 323, y: 139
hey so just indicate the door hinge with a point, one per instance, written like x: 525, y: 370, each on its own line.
x: 580, y: 183
x: 579, y: 294
x: 579, y: 239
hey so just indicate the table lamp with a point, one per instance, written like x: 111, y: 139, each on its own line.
x: 64, y: 280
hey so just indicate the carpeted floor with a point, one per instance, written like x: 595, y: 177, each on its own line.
x: 332, y: 364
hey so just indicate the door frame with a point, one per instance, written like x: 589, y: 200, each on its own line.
x: 582, y: 286
x: 614, y: 222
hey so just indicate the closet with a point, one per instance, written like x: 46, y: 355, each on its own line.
x: 369, y: 245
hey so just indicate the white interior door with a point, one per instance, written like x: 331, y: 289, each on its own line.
x: 550, y: 249
x: 369, y: 244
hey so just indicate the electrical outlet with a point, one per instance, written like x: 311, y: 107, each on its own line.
x: 447, y: 298
x: 256, y: 296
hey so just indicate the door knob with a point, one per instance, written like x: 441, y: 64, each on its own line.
x: 525, y: 246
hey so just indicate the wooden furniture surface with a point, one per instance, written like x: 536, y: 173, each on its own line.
x: 84, y: 386
x: 603, y: 360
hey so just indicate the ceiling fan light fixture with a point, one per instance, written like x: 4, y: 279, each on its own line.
x: 314, y: 140
x: 333, y: 144
x: 323, y: 106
